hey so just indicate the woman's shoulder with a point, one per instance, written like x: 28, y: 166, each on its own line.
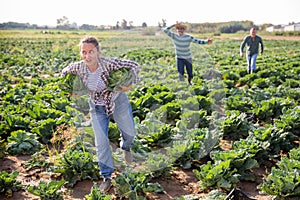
x: 112, y: 60
x: 107, y: 59
x: 78, y: 63
x: 75, y: 67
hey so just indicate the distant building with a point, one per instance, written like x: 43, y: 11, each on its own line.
x: 284, y: 28
x: 276, y: 28
x: 292, y: 27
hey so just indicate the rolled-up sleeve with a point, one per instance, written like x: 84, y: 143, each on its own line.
x: 72, y: 68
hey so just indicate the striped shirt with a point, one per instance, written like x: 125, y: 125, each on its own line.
x: 98, y: 92
x: 93, y: 80
x: 182, y: 43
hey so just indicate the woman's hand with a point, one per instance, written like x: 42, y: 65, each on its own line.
x: 124, y: 88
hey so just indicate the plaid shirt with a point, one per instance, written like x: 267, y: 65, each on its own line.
x: 101, y: 94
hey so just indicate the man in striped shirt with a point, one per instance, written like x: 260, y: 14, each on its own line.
x: 182, y: 49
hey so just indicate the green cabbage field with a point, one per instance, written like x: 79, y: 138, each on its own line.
x: 228, y: 129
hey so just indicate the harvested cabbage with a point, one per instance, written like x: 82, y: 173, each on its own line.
x: 72, y: 84
x: 123, y: 76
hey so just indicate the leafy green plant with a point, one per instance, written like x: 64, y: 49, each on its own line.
x: 148, y: 101
x: 229, y: 168
x: 258, y: 149
x: 273, y: 108
x: 260, y: 82
x: 187, y: 197
x: 77, y: 165
x: 113, y: 133
x: 290, y: 121
x: 154, y: 132
x: 198, y: 89
x: 2, y: 147
x: 205, y: 103
x: 148, y: 55
x: 275, y: 139
x: 240, y: 160
x: 194, y: 119
x: 158, y: 165
x: 38, y: 111
x: 168, y: 113
x: 195, y: 144
x: 284, y: 180
x: 9, y: 183
x: 134, y: 185
x: 97, y: 194
x: 37, y: 160
x: 235, y: 125
x: 165, y: 96
x: 17, y: 122
x: 60, y: 104
x: 239, y: 102
x: 79, y: 143
x: 217, y: 175
x: 47, y: 191
x: 44, y: 129
x: 21, y: 142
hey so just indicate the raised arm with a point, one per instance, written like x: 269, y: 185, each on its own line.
x: 168, y: 31
x: 200, y: 41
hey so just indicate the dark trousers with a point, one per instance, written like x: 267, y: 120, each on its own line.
x: 181, y: 63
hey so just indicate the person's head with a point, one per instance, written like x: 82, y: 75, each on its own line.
x: 180, y: 28
x: 89, y: 50
x: 253, y: 32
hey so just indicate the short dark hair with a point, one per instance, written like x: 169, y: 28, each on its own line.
x: 254, y: 28
x: 90, y: 39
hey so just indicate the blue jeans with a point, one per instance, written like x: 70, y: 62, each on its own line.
x: 100, y: 121
x: 251, y: 60
x: 189, y: 68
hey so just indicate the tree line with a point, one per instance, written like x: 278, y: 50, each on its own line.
x: 64, y: 24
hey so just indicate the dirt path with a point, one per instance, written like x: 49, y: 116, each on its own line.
x: 181, y: 182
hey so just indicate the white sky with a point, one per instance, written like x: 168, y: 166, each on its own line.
x: 108, y: 12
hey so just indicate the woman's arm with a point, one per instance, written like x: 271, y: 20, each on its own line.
x: 72, y: 68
